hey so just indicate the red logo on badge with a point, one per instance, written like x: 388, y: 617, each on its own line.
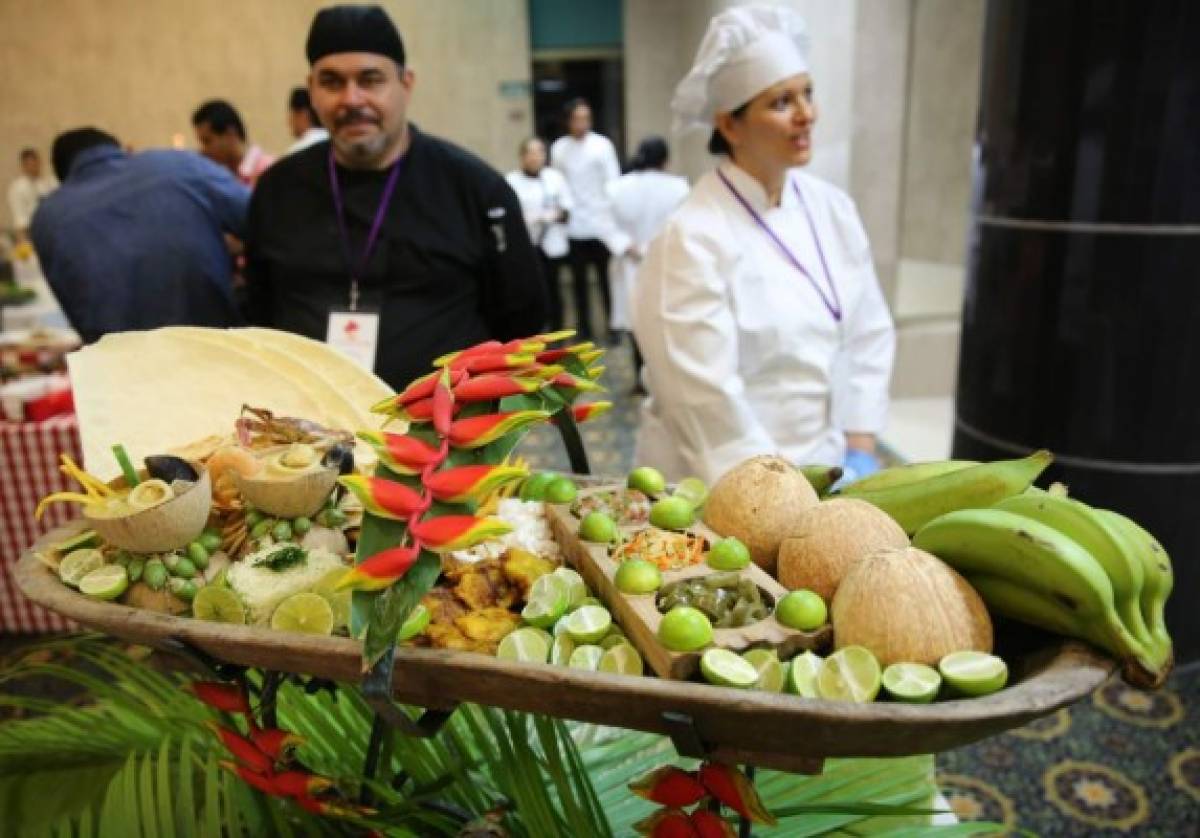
x: 350, y: 328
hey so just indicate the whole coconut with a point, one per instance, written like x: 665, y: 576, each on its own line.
x: 758, y: 502
x: 828, y: 538
x: 908, y: 605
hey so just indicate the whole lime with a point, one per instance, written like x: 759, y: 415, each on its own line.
x: 672, y: 514
x: 638, y: 576
x: 561, y: 490
x: 534, y: 487
x: 598, y: 527
x: 685, y: 629
x: 802, y: 610
x: 648, y: 480
x: 728, y: 554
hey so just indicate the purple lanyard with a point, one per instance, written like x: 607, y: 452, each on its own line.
x: 835, y: 306
x: 376, y: 225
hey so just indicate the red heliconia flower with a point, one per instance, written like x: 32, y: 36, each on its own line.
x: 495, y: 363
x: 262, y: 782
x: 491, y: 386
x: 301, y: 783
x: 591, y: 356
x: 422, y: 411
x: 228, y: 698
x: 471, y: 483
x: 734, y: 789
x: 421, y: 388
x: 670, y: 786
x: 667, y: 823
x: 574, y: 382
x: 380, y: 571
x: 401, y: 453
x: 488, y: 347
x: 595, y: 372
x: 579, y: 350
x: 448, y: 533
x: 385, y: 498
x: 275, y: 743
x: 477, y: 431
x: 711, y: 825
x: 443, y: 404
x: 586, y: 412
x: 246, y: 751
x: 331, y: 808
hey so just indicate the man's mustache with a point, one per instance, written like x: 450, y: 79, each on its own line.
x: 353, y: 117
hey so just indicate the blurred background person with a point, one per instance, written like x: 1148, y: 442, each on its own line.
x: 222, y: 138
x: 642, y: 200
x: 27, y: 190
x: 303, y: 122
x: 762, y: 322
x: 546, y: 203
x: 136, y: 241
x: 589, y: 163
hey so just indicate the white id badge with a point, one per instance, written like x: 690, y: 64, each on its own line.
x: 354, y: 333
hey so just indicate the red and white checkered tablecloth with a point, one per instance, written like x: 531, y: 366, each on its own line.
x: 29, y: 454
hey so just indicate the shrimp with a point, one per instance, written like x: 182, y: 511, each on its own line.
x: 222, y: 465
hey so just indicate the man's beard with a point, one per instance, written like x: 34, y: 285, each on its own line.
x: 363, y: 153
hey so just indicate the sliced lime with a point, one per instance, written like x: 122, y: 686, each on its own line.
x: 622, y: 659
x: 548, y: 600
x: 588, y: 600
x: 770, y: 670
x: 78, y: 564
x: 307, y: 612
x: 974, y: 673
x: 414, y: 624
x: 586, y: 657
x: 575, y: 585
x: 527, y: 645
x: 106, y: 582
x: 339, y: 601
x: 220, y: 605
x: 561, y: 649
x: 588, y: 623
x: 693, y: 490
x: 802, y: 675
x: 915, y: 683
x: 611, y: 640
x: 728, y: 669
x: 849, y: 674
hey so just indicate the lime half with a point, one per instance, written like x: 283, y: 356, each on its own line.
x: 527, y: 645
x: 339, y: 601
x: 915, y: 683
x: 622, y: 659
x: 308, y: 613
x: 588, y: 623
x: 728, y: 669
x: 78, y: 564
x: 575, y: 585
x: 974, y: 673
x: 770, y: 670
x: 802, y: 675
x: 220, y: 605
x: 561, y: 649
x: 548, y: 600
x: 849, y: 674
x: 106, y: 582
x: 586, y: 657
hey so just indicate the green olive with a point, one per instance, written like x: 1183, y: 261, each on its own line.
x: 211, y: 541
x: 253, y: 516
x: 301, y: 525
x: 282, y: 531
x: 184, y: 569
x: 198, y: 554
x: 135, y: 569
x: 155, y: 574
x: 262, y: 528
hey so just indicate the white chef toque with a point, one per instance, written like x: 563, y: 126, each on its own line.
x: 745, y: 50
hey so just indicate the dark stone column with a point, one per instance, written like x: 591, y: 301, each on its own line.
x: 1081, y: 324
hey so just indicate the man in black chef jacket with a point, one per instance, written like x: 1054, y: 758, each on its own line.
x: 385, y: 228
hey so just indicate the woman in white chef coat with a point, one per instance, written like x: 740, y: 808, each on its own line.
x: 757, y: 309
x: 642, y: 201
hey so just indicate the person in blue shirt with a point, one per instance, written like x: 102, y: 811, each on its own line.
x: 137, y: 241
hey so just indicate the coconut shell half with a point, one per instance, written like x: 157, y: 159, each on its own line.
x: 909, y: 606
x: 162, y: 528
x: 288, y: 496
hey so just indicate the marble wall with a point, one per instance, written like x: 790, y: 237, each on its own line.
x: 139, y: 69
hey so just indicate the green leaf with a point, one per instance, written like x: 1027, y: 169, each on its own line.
x: 393, y: 605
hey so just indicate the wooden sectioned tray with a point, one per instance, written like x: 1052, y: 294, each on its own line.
x: 768, y: 729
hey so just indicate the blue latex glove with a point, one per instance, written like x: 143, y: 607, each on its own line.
x: 857, y: 465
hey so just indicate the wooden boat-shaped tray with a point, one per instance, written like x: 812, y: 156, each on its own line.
x: 767, y: 729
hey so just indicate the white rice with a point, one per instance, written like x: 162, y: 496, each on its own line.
x: 531, y: 531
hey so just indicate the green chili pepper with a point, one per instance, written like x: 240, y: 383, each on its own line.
x: 127, y: 469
